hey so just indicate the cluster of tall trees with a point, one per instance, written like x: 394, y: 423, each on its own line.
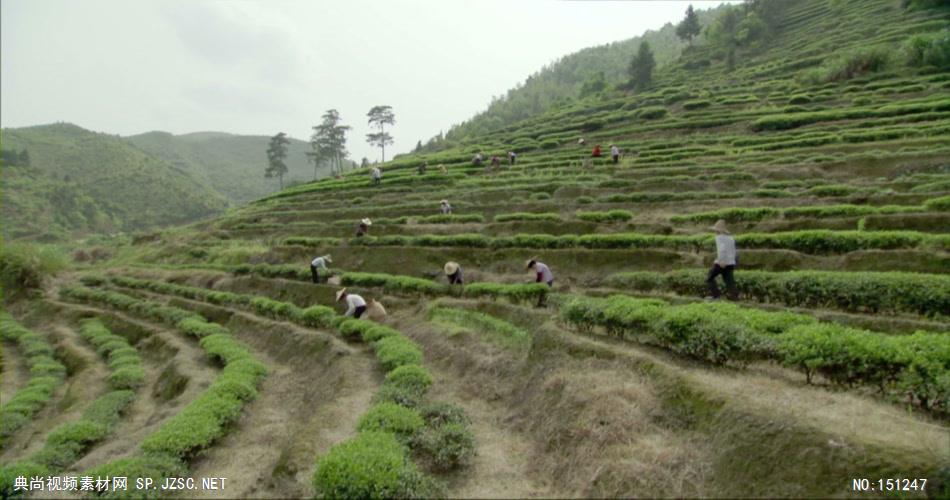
x: 13, y: 159
x: 328, y: 143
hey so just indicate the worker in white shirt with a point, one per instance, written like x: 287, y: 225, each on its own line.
x: 317, y: 264
x: 377, y: 175
x: 614, y: 153
x: 544, y: 275
x: 444, y: 207
x: 724, y: 264
x: 355, y: 305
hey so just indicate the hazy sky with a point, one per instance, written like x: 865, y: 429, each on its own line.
x: 259, y: 67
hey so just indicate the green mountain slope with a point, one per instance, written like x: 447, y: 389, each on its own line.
x: 82, y: 181
x: 231, y: 164
x: 561, y: 81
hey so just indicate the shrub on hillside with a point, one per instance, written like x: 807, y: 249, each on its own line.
x: 850, y: 64
x: 395, y: 351
x: 941, y: 204
x: 370, y: 465
x: 651, y: 112
x: 693, y: 331
x: 696, y: 104
x: 549, y: 144
x: 23, y: 267
x: 609, y: 216
x: 799, y: 99
x: 390, y: 417
x: 527, y: 216
x: 928, y: 50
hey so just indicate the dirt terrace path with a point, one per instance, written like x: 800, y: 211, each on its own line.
x: 15, y: 372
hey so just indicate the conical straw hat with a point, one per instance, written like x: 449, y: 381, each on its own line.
x: 720, y: 227
x: 450, y: 268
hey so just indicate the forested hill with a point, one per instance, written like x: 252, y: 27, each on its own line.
x: 75, y: 181
x: 231, y: 164
x: 574, y: 76
x: 61, y: 181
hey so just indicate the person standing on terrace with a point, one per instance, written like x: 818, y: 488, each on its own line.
x: 614, y: 153
x: 596, y: 152
x: 317, y: 264
x: 724, y: 264
x: 355, y: 305
x: 377, y: 176
x: 445, y: 208
x: 477, y: 159
x: 512, y: 156
x: 423, y: 168
x: 453, y: 272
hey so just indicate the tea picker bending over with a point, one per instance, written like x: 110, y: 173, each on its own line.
x: 355, y: 305
x: 363, y: 228
x: 317, y: 264
x: 453, y: 272
x: 544, y: 275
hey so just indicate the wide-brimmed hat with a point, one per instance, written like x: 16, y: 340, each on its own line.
x: 530, y: 263
x: 367, y: 222
x: 340, y: 293
x: 720, y: 227
x: 450, y: 268
x: 328, y: 258
x: 444, y: 202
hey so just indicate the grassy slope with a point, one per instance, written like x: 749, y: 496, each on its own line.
x: 232, y: 164
x: 86, y: 181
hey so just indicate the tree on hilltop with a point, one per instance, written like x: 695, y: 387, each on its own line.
x: 328, y: 141
x: 380, y: 116
x: 689, y: 27
x: 276, y: 152
x: 641, y: 67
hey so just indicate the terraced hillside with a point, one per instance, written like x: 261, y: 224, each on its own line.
x: 832, y: 365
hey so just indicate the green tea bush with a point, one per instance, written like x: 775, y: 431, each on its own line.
x: 402, y: 284
x: 541, y: 196
x: 941, y: 204
x: 651, y: 112
x: 390, y: 417
x: 584, y: 200
x: 370, y: 465
x: 691, y: 330
x: 124, y: 361
x: 446, y: 441
x: 46, y: 373
x: 447, y: 447
x: 799, y: 99
x: 527, y: 216
x: 549, y: 144
x: 317, y: 316
x: 610, y: 216
x: 378, y: 332
x: 923, y: 294
x: 696, y: 104
x: 395, y: 351
x: 729, y: 215
x: 450, y: 219
x: 410, y: 376
x: 353, y: 329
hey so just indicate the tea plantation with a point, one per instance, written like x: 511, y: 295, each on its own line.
x: 206, y: 350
